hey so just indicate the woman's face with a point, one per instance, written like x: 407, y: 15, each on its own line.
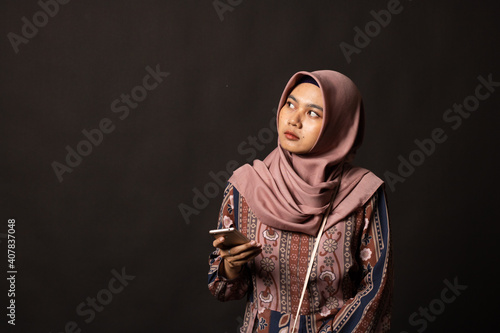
x: 301, y: 118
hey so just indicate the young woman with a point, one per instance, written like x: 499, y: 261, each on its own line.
x: 280, y: 204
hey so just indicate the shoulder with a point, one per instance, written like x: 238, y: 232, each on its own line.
x: 230, y: 189
x: 364, y: 175
x: 359, y: 184
x: 232, y: 195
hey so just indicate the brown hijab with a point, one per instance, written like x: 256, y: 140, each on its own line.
x: 291, y: 191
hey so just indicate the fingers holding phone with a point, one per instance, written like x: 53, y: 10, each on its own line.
x: 235, y: 249
x: 232, y: 237
x: 237, y: 256
x: 241, y: 254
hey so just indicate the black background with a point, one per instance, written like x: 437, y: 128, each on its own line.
x: 120, y: 207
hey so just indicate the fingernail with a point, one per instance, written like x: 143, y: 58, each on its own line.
x: 221, y: 239
x: 252, y: 242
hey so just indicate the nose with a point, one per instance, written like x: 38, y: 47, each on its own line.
x: 295, y: 120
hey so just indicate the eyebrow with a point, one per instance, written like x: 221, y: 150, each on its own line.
x: 308, y: 105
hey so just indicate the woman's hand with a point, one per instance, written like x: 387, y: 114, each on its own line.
x: 236, y: 257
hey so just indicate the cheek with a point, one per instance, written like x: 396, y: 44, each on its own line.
x: 314, y: 128
x: 314, y: 132
x: 280, y: 120
x: 318, y: 130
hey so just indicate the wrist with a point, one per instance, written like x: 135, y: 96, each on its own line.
x: 231, y: 272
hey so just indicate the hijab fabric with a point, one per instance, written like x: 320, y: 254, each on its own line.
x: 291, y: 191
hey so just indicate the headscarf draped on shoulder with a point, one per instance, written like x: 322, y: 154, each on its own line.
x: 291, y: 191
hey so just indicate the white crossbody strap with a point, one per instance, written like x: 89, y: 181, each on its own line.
x: 313, y: 255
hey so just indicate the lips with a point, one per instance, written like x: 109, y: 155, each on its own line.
x: 291, y: 136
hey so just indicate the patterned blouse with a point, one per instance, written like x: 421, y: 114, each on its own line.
x: 350, y: 286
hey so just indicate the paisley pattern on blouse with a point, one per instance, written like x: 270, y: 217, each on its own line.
x: 350, y: 286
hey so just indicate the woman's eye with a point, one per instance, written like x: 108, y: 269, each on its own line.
x: 313, y: 114
x: 290, y: 104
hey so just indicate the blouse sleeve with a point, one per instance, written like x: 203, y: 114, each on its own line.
x: 221, y: 287
x: 369, y: 309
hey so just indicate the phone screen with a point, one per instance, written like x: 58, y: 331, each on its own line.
x: 232, y: 236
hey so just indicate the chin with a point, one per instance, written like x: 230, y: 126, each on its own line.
x: 293, y: 150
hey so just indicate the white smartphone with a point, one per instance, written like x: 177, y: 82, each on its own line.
x: 232, y: 236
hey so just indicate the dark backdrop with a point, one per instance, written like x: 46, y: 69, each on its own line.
x: 118, y: 210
